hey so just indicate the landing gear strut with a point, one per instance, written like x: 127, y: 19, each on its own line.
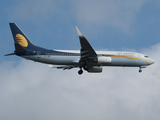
x: 80, y: 71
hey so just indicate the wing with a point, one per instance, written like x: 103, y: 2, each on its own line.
x: 88, y: 55
x: 87, y: 52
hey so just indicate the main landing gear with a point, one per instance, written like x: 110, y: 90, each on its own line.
x: 80, y: 71
x: 85, y: 67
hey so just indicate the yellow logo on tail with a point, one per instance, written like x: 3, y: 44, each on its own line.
x: 21, y: 40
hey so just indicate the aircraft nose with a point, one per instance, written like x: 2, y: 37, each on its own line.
x: 152, y: 61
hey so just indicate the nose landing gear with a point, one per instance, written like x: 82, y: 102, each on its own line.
x: 140, y: 70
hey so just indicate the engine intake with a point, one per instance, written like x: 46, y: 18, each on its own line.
x: 95, y: 69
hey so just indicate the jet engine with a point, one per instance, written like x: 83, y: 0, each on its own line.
x: 95, y: 69
x: 104, y: 60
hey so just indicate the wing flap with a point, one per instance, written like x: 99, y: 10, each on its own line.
x: 64, y: 67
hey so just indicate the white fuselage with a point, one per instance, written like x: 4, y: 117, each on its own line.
x: 72, y: 57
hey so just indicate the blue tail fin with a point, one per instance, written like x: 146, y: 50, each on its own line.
x: 22, y: 43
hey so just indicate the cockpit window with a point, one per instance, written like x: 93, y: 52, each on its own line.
x: 146, y: 56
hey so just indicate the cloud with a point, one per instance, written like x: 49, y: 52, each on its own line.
x: 32, y: 90
x: 119, y: 14
x: 115, y: 14
x: 33, y: 10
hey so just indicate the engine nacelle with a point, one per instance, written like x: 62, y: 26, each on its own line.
x: 95, y: 69
x: 104, y: 60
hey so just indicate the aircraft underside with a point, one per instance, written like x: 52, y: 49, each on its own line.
x: 71, y: 61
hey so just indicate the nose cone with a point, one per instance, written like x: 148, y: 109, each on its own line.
x: 151, y: 61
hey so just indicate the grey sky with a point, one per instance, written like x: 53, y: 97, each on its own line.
x: 33, y: 91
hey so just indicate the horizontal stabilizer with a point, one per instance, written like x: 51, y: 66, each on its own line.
x: 9, y: 54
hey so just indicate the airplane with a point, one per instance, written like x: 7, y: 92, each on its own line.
x: 85, y: 59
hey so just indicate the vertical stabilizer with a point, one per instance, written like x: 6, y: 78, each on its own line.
x: 20, y: 38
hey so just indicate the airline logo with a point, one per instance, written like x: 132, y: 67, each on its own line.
x: 21, y: 40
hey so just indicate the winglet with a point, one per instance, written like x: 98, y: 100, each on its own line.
x: 78, y: 32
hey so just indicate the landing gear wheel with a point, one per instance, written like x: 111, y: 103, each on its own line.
x: 80, y: 72
x: 140, y: 70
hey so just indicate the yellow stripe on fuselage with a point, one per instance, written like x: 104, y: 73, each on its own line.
x: 129, y: 57
x: 147, y: 62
